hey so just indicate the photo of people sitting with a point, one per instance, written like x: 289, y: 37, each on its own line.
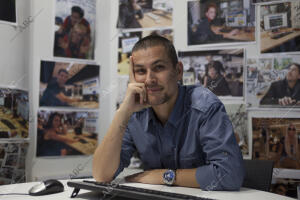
x: 221, y: 71
x: 277, y: 139
x: 220, y: 21
x: 145, y: 13
x: 69, y: 84
x: 66, y: 133
x: 285, y: 186
x: 274, y: 81
x: 279, y: 27
x: 74, y: 35
x: 14, y: 113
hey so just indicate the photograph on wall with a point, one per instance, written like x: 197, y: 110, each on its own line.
x: 65, y: 84
x: 75, y: 29
x: 8, y: 11
x: 65, y: 133
x: 277, y: 139
x: 220, y: 21
x: 285, y: 187
x: 280, y: 27
x: 238, y: 117
x: 128, y: 39
x: 145, y: 13
x: 221, y: 71
x: 273, y: 81
x: 14, y: 113
x: 12, y: 162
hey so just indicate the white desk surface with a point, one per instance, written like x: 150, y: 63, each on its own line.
x: 20, y: 191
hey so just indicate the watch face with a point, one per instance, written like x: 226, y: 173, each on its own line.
x: 169, y: 177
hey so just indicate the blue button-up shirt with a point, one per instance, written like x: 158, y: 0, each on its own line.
x: 198, y: 134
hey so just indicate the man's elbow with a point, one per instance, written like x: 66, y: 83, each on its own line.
x: 233, y: 181
x: 101, y: 177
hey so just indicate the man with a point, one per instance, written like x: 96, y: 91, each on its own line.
x: 54, y: 93
x: 76, y: 17
x: 203, y: 32
x: 287, y: 91
x: 215, y: 81
x: 181, y: 128
x: 129, y: 13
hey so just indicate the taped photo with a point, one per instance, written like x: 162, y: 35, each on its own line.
x: 277, y: 139
x: 221, y: 71
x: 65, y: 133
x: 64, y: 84
x: 220, y: 22
x: 14, y: 113
x: 145, y: 13
x: 280, y: 27
x: 75, y: 29
x: 273, y: 81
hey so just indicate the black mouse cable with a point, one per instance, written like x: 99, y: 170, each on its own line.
x: 14, y: 194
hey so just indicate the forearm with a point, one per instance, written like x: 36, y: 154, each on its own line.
x: 184, y: 177
x: 107, y: 155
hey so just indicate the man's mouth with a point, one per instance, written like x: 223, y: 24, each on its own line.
x: 154, y: 89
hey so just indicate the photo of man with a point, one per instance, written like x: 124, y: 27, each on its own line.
x: 279, y: 31
x: 220, y: 21
x: 274, y: 82
x: 221, y: 71
x: 14, y: 113
x: 69, y: 84
x: 145, y: 13
x: 66, y: 133
x: 75, y: 25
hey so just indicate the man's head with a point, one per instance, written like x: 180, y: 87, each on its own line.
x: 78, y: 32
x: 214, y: 69
x: 291, y: 130
x: 293, y: 73
x: 155, y: 63
x: 76, y: 15
x: 62, y: 77
x: 211, y: 11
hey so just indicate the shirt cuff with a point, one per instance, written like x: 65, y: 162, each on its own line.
x: 206, y: 178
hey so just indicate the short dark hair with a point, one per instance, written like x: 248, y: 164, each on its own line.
x: 297, y: 65
x: 217, y: 65
x: 157, y: 40
x: 62, y: 70
x: 210, y: 5
x: 78, y: 10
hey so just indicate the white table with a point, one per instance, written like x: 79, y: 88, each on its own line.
x: 18, y: 191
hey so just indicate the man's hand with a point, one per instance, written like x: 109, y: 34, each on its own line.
x: 286, y: 101
x: 149, y: 177
x: 136, y: 95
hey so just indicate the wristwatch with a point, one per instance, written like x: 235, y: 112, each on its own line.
x: 169, y: 177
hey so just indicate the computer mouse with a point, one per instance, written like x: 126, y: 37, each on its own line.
x: 47, y: 187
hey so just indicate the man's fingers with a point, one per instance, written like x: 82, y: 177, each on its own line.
x: 131, y: 74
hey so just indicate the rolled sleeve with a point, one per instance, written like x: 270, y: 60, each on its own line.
x: 127, y: 150
x: 224, y: 169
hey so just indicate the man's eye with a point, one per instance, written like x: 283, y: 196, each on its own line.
x: 140, y: 71
x: 159, y: 67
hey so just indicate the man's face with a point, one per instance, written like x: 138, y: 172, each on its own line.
x: 153, y: 67
x: 75, y: 18
x: 291, y: 131
x: 212, y: 73
x: 77, y: 34
x: 293, y: 73
x: 56, y: 122
x: 211, y: 13
x: 62, y: 78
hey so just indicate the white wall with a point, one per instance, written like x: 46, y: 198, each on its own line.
x: 42, y: 37
x: 14, y: 50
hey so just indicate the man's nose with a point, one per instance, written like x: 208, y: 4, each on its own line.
x: 150, y: 77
